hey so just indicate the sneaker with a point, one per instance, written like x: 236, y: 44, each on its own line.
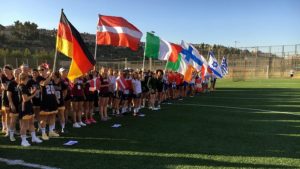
x: 36, y: 140
x: 62, y: 130
x: 82, y: 124
x: 93, y: 120
x: 155, y: 109
x: 87, y: 121
x: 53, y: 134
x: 6, y: 134
x: 25, y: 143
x: 12, y: 138
x: 45, y: 137
x: 76, y: 125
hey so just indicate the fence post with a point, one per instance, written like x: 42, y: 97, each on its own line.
x: 125, y: 63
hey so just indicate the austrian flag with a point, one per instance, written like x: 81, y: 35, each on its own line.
x: 117, y: 31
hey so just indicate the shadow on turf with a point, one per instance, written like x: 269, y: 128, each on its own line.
x: 211, y: 131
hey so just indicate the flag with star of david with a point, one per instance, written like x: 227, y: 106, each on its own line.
x: 214, y: 65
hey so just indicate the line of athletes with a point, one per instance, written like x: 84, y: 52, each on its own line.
x: 35, y: 98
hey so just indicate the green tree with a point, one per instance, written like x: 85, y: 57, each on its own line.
x: 27, y: 53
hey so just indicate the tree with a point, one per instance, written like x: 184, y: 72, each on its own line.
x: 27, y: 53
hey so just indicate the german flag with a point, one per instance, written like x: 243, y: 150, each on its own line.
x: 70, y: 43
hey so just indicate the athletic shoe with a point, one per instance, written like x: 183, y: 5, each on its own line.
x: 45, y: 137
x: 93, y: 120
x: 87, y: 121
x: 76, y: 125
x: 82, y: 124
x: 6, y: 134
x: 155, y: 109
x: 25, y: 143
x: 12, y: 138
x: 36, y: 140
x: 53, y: 134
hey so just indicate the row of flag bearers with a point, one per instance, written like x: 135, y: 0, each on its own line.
x: 117, y: 31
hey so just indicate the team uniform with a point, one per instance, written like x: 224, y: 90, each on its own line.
x: 137, y: 88
x: 88, y: 91
x: 60, y: 87
x: 36, y: 100
x: 13, y: 88
x: 26, y: 112
x: 5, y: 81
x: 48, y: 97
x: 78, y: 91
x: 67, y: 83
x: 104, y: 91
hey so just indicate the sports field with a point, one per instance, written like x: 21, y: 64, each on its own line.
x: 251, y: 124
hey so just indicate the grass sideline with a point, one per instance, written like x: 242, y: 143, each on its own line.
x: 249, y: 127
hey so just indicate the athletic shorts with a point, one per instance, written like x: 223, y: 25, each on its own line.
x: 77, y: 99
x: 106, y: 94
x: 137, y: 96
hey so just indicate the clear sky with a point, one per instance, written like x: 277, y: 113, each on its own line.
x: 250, y: 22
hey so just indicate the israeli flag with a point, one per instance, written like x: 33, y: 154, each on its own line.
x: 214, y: 66
x: 224, y: 66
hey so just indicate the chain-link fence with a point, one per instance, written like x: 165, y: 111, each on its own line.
x: 244, y: 63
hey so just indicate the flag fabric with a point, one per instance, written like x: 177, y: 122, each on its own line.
x: 224, y: 66
x: 117, y: 31
x: 174, y: 65
x: 192, y: 55
x: 70, y: 43
x: 214, y: 66
x: 158, y: 48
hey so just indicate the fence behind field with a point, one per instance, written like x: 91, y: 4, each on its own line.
x: 244, y: 63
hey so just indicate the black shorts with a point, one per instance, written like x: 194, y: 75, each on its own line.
x: 118, y: 95
x: 48, y: 106
x: 137, y: 96
x: 104, y: 94
x: 36, y: 102
x: 77, y: 99
x: 89, y: 97
x: 68, y: 97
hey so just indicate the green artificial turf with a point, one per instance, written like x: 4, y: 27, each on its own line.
x: 247, y: 124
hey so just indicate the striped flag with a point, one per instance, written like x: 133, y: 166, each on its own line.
x: 214, y: 66
x: 224, y: 66
x: 117, y: 31
x: 70, y: 43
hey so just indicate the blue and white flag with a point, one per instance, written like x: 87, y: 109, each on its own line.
x: 224, y: 66
x: 214, y: 66
x: 192, y: 56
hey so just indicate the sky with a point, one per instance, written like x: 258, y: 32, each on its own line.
x: 248, y: 22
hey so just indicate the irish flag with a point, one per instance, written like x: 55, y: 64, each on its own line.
x: 160, y: 49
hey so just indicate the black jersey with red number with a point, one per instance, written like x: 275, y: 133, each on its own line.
x: 48, y: 98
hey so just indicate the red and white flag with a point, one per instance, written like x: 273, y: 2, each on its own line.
x: 117, y: 31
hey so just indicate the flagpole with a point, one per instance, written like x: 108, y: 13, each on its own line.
x: 96, y: 46
x: 55, y: 55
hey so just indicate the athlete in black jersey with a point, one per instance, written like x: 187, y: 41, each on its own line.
x: 48, y: 102
x: 14, y: 104
x: 36, y: 100
x: 5, y: 79
x: 26, y: 113
x: 60, y: 92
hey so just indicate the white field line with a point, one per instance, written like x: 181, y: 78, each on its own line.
x: 23, y: 163
x: 238, y: 108
x: 251, y: 98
